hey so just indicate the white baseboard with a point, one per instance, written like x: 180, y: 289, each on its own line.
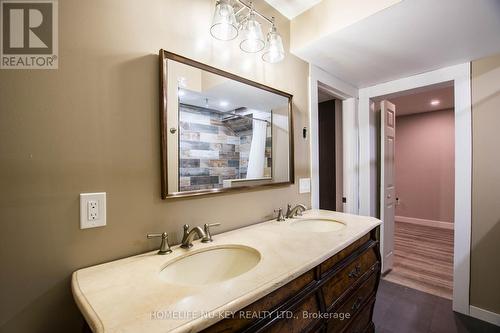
x: 427, y: 223
x: 485, y: 315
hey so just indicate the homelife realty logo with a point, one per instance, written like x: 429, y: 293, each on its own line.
x: 28, y: 34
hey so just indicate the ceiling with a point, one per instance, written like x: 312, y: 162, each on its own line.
x: 228, y: 95
x: 421, y: 101
x: 292, y: 8
x: 411, y: 37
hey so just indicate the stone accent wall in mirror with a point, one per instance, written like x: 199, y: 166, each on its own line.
x: 219, y: 131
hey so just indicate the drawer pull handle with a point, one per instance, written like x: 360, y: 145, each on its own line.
x: 357, y: 304
x: 355, y: 272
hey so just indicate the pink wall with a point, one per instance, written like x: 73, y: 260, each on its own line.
x: 425, y: 165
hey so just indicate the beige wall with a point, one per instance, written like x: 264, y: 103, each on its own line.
x: 485, y: 263
x: 91, y: 126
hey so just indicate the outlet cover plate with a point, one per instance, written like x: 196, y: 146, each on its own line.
x: 92, y: 210
x: 304, y: 185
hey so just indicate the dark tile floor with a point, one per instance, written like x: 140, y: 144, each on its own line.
x: 400, y: 309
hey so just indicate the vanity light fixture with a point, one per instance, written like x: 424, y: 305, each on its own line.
x: 224, y: 26
x: 252, y: 38
x: 274, y: 49
x: 229, y: 21
x: 435, y: 102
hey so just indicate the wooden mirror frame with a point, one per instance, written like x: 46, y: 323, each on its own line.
x: 164, y: 55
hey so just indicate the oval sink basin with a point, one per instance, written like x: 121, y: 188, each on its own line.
x: 212, y: 265
x: 317, y: 225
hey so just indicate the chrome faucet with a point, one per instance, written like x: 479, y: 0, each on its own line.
x: 297, y: 210
x: 164, y: 247
x: 187, y: 238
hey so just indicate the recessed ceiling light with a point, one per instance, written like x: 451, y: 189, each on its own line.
x: 435, y: 102
x: 223, y: 103
x: 182, y: 82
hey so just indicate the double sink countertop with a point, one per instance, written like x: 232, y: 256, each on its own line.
x: 128, y: 295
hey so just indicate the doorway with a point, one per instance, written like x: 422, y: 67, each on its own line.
x: 347, y: 98
x: 369, y: 198
x: 330, y: 151
x: 417, y: 187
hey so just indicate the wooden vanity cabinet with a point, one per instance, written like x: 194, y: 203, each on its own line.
x: 336, y: 296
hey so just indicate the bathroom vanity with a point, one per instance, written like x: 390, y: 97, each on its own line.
x: 315, y: 273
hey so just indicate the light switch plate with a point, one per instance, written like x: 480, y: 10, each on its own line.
x: 92, y: 210
x: 304, y: 185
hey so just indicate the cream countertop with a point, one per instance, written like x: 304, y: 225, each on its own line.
x: 127, y: 295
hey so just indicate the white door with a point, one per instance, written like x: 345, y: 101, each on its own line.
x: 387, y: 179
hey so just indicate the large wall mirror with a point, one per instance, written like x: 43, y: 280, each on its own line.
x: 220, y: 132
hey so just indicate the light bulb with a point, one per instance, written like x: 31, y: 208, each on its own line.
x: 224, y: 12
x: 253, y: 40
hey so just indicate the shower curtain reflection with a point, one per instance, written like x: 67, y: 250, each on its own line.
x: 256, y: 159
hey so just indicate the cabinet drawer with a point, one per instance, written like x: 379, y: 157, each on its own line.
x: 340, y: 282
x: 267, y: 303
x: 363, y: 321
x: 299, y: 322
x: 332, y: 261
x: 352, y: 305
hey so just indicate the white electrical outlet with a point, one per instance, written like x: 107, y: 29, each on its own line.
x: 92, y: 210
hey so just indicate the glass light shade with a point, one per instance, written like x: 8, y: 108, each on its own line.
x: 274, y: 51
x: 224, y: 26
x: 252, y: 37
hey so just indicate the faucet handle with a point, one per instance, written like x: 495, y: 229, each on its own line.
x: 208, y: 235
x: 185, y: 233
x: 280, y: 217
x: 164, y: 246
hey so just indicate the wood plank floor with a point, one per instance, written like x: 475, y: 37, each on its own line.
x: 423, y: 259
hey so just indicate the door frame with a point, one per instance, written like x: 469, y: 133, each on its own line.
x: 460, y: 75
x: 348, y: 94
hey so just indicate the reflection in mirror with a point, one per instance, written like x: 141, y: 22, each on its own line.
x: 222, y: 133
x: 219, y: 144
